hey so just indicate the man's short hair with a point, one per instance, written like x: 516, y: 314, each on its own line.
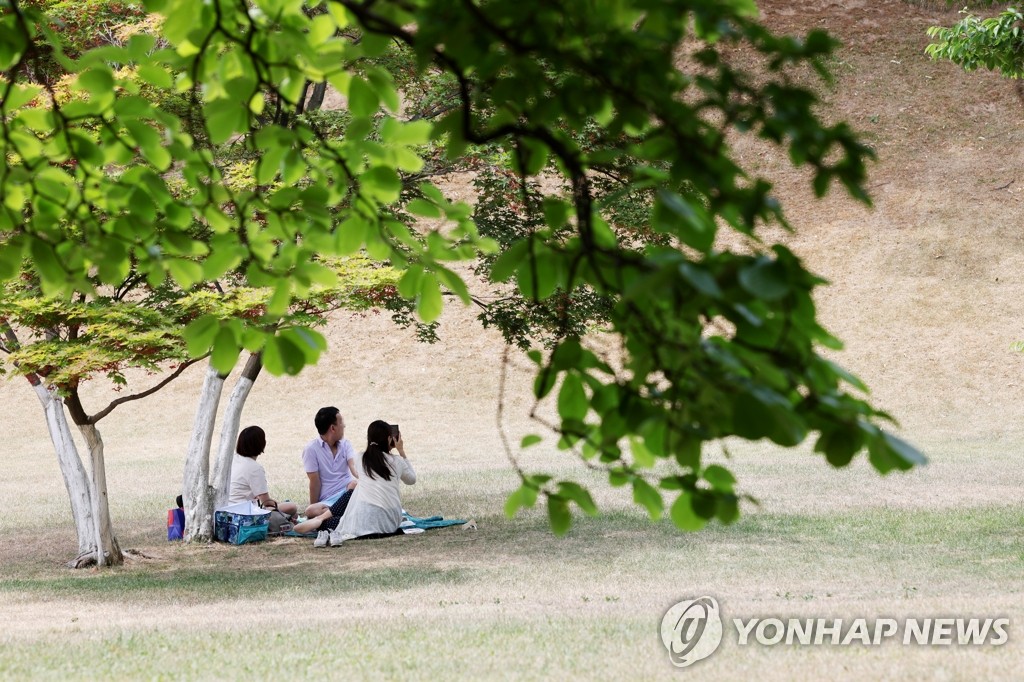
x: 325, y: 416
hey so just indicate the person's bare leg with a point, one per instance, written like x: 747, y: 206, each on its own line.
x: 316, y: 509
x: 312, y: 524
x: 289, y: 509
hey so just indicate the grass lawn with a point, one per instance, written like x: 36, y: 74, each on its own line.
x: 511, y: 601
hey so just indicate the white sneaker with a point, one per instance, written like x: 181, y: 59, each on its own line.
x: 338, y: 538
x: 321, y: 539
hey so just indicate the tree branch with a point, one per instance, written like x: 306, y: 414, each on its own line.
x: 137, y: 396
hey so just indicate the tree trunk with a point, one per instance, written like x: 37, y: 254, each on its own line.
x: 229, y: 430
x: 76, y: 480
x: 108, y: 551
x: 197, y: 493
x: 316, y: 100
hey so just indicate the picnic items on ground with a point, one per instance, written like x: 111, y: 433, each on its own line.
x: 241, y: 523
x: 175, y: 524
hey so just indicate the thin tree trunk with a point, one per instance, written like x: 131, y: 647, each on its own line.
x: 316, y: 100
x: 229, y: 430
x: 108, y: 551
x: 301, y: 106
x: 76, y: 480
x: 197, y: 493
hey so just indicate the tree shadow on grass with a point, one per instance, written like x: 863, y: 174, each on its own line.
x: 200, y: 584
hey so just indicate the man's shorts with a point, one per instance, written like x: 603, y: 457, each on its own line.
x: 333, y: 498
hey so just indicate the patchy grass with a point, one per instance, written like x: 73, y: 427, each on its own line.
x: 510, y: 600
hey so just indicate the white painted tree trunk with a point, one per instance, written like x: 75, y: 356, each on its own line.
x: 76, y: 480
x: 229, y: 430
x: 197, y: 493
x: 108, y: 551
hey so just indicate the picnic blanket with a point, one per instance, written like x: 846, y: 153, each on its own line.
x: 409, y: 521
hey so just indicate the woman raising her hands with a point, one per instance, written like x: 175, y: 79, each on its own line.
x: 376, y: 504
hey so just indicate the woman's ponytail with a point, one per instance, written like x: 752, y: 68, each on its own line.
x: 375, y: 462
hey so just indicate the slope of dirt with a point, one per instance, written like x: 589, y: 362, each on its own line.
x: 927, y: 286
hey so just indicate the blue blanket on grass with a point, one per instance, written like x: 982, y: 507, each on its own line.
x: 425, y: 523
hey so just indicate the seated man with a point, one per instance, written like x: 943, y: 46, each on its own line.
x: 329, y: 462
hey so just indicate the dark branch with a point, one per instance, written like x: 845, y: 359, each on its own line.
x: 137, y: 396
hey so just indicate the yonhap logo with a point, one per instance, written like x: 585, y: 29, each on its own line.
x: 691, y: 630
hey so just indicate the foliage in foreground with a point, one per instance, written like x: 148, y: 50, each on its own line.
x: 714, y: 343
x: 994, y: 43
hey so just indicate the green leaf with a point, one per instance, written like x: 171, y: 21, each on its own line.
x: 10, y: 259
x: 221, y: 259
x: 424, y: 208
x: 763, y: 414
x: 225, y: 351
x: 523, y: 497
x: 99, y: 83
x: 224, y: 118
x: 46, y: 263
x: 544, y: 382
x: 429, y: 303
x: 646, y: 495
x: 381, y: 183
x: 156, y: 75
x: 765, y: 279
x: 683, y: 515
x: 529, y: 440
x: 350, y: 235
x: 840, y: 444
x: 904, y: 451
x: 686, y: 219
x: 534, y: 155
x: 506, y: 264
x: 321, y: 29
x: 454, y: 284
x: 362, y: 99
x: 309, y: 340
x: 579, y: 495
x: 282, y: 355
x: 572, y: 399
x: 539, y: 276
x: 720, y: 478
x: 642, y: 457
x: 278, y: 304
x: 409, y: 285
x: 200, y: 334
x: 567, y: 355
x: 559, y: 515
x: 380, y: 81
x: 414, y: 133
x: 149, y: 143
x: 185, y: 272
x: 19, y: 95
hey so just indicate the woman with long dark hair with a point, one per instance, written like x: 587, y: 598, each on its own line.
x: 375, y: 508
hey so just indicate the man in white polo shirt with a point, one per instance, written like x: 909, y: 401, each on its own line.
x: 329, y: 461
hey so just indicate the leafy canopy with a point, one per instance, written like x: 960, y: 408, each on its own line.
x: 995, y: 43
x: 601, y: 101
